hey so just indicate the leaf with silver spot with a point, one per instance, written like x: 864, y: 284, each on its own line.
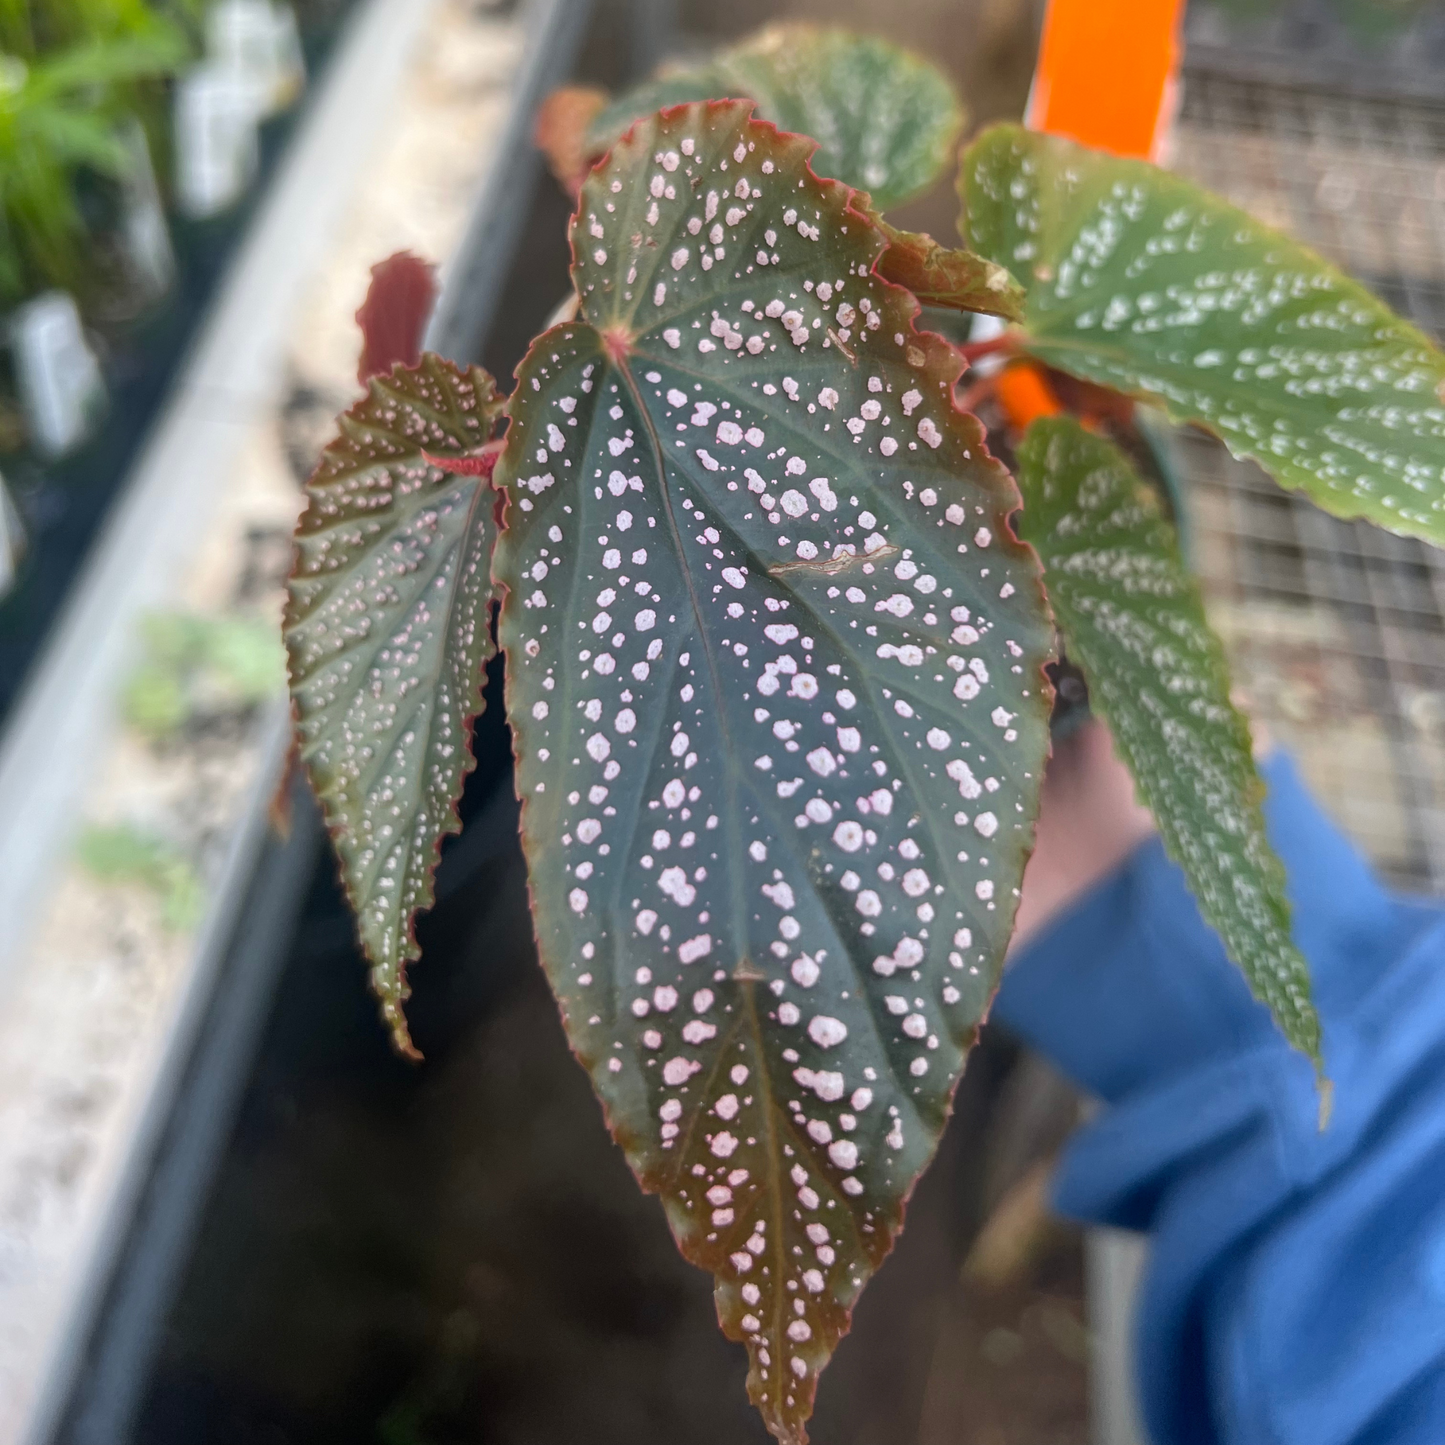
x: 774, y: 677
x: 1132, y: 617
x: 886, y: 121
x: 388, y: 636
x: 1139, y: 280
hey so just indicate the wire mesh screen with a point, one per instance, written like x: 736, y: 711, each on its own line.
x: 1336, y: 630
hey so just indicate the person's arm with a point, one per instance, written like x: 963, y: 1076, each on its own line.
x: 1296, y: 1286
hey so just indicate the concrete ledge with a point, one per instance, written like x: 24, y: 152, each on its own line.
x: 102, y: 1003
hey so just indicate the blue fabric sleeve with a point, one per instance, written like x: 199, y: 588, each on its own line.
x: 1295, y: 1292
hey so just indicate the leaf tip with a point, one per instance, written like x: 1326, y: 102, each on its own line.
x: 784, y: 1434
x: 785, y: 1428
x: 394, y: 1015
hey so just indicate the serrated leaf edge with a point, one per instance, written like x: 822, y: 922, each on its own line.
x: 392, y: 1000
x: 1326, y: 500
x: 770, y: 38
x: 1239, y: 725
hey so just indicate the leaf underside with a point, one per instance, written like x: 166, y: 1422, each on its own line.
x: 1140, y: 281
x: 394, y: 315
x: 886, y: 120
x: 388, y: 636
x: 956, y: 279
x: 773, y: 670
x: 1132, y: 618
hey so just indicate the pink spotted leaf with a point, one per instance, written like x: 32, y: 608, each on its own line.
x: 388, y: 636
x: 774, y: 677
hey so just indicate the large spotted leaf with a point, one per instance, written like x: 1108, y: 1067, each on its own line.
x: 886, y: 120
x: 1139, y: 280
x: 773, y: 661
x: 388, y: 634
x: 1133, y: 619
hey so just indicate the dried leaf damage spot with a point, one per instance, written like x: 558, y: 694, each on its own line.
x: 836, y: 566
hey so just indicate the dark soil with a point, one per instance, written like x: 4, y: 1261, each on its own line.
x: 458, y: 1253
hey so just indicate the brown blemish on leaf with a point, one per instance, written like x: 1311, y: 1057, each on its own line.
x: 833, y: 566
x: 941, y: 276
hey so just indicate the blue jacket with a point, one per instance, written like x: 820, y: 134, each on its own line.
x: 1295, y: 1292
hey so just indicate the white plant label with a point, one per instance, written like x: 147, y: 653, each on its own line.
x: 145, y: 235
x: 258, y: 39
x: 12, y: 540
x: 60, y: 383
x: 217, y: 139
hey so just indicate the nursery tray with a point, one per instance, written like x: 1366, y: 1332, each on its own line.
x: 64, y: 502
x: 129, y: 1018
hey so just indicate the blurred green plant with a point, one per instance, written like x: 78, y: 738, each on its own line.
x: 439, y: 1388
x: 198, y: 666
x: 122, y: 854
x: 71, y: 73
x: 33, y: 28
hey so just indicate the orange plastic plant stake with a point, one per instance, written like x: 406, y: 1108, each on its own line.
x: 1106, y: 78
x: 1025, y: 395
x: 1106, y: 73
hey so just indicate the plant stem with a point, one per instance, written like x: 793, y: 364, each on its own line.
x: 976, y: 350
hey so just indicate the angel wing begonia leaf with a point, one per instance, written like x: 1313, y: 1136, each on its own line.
x: 1133, y: 619
x: 774, y: 675
x: 886, y: 121
x: 1139, y: 280
x: 388, y: 636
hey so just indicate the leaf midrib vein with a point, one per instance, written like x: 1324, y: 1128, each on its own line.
x: 422, y: 694
x: 864, y: 670
x: 739, y: 907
